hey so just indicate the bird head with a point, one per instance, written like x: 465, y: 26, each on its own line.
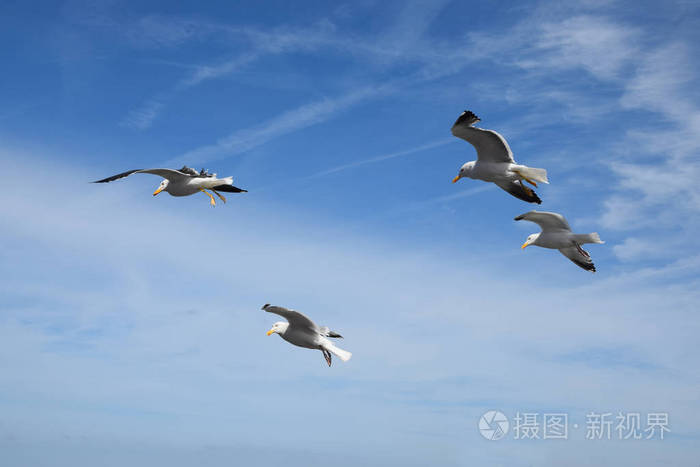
x: 530, y: 240
x: 163, y: 185
x: 278, y: 328
x: 464, y: 171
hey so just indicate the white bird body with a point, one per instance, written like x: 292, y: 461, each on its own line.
x: 499, y: 172
x: 495, y: 161
x: 298, y: 337
x: 186, y: 187
x: 302, y: 332
x: 557, y: 240
x: 557, y: 235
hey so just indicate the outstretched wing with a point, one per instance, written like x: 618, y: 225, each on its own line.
x: 117, y: 177
x: 170, y: 174
x: 579, y: 256
x: 519, y: 191
x: 295, y: 318
x: 489, y: 145
x: 546, y: 220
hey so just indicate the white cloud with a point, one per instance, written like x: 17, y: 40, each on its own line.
x: 593, y: 43
x: 384, y: 157
x: 163, y: 309
x: 403, y: 41
x: 156, y: 31
x: 287, y: 122
x: 661, y: 190
x: 143, y: 117
x: 653, y: 159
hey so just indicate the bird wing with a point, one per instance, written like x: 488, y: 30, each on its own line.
x: 519, y: 191
x: 579, y: 256
x: 170, y: 174
x: 490, y: 146
x: 295, y: 318
x: 188, y: 171
x: 546, y: 220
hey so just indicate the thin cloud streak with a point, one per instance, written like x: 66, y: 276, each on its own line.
x: 374, y: 160
x: 403, y: 42
x: 288, y: 122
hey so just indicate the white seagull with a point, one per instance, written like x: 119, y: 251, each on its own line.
x: 185, y: 182
x: 495, y: 161
x: 301, y: 331
x: 556, y: 234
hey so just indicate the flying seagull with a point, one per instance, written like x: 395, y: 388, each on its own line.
x: 185, y: 182
x: 301, y: 331
x: 556, y: 234
x: 495, y: 161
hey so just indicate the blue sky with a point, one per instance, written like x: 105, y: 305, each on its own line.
x: 131, y: 325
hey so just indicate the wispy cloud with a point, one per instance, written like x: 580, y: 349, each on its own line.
x: 659, y: 174
x: 384, y: 157
x: 403, y: 41
x: 142, y: 118
x: 173, y: 31
x: 156, y: 31
x: 292, y: 120
x: 653, y: 163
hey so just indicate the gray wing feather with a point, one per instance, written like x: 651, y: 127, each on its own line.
x: 579, y: 256
x: 170, y: 174
x: 546, y: 220
x: 295, y: 318
x: 490, y: 146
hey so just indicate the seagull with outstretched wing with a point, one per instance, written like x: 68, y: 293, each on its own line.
x: 495, y: 161
x: 301, y: 331
x: 185, y: 182
x: 556, y: 234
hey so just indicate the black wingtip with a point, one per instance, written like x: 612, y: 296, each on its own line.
x: 467, y: 117
x: 531, y: 197
x: 586, y: 266
x: 519, y: 218
x: 265, y: 306
x: 117, y: 177
x: 522, y: 193
x: 229, y: 189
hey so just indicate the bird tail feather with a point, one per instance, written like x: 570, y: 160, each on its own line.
x: 588, y: 238
x: 227, y: 181
x: 344, y: 355
x: 538, y: 175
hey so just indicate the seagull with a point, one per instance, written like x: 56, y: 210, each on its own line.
x: 556, y: 234
x: 301, y: 331
x: 495, y: 161
x: 184, y: 182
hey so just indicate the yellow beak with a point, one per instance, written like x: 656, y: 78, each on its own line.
x: 524, y: 245
x: 157, y: 191
x: 271, y: 331
x: 454, y: 180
